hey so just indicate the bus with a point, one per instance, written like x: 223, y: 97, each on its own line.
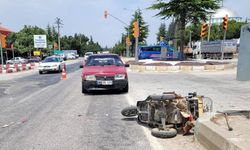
x: 154, y: 52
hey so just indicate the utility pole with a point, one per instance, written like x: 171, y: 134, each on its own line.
x: 209, y: 27
x: 59, y: 25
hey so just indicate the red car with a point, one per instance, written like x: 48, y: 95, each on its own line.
x: 104, y: 72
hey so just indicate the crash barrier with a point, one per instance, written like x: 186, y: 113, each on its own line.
x: 10, y: 68
x: 205, y: 68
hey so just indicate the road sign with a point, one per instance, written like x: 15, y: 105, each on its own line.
x: 40, y: 41
x: 58, y: 51
x: 36, y: 53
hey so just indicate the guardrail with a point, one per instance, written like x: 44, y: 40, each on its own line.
x: 10, y: 68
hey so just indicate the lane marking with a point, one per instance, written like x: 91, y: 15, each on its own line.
x: 154, y: 143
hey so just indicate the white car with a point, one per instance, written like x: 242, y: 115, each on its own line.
x: 17, y: 60
x: 70, y: 56
x: 87, y: 54
x: 52, y: 63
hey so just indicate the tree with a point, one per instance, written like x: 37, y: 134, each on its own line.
x: 120, y: 46
x: 162, y: 32
x: 185, y: 11
x: 24, y: 39
x: 216, y: 32
x: 143, y: 27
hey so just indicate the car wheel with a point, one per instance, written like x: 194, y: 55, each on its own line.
x: 40, y: 72
x: 167, y: 133
x: 84, y: 90
x: 125, y: 90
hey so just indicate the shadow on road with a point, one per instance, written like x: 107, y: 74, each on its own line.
x: 105, y: 92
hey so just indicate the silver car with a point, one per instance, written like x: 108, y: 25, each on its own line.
x: 17, y: 60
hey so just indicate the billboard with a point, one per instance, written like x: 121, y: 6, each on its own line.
x: 40, y: 41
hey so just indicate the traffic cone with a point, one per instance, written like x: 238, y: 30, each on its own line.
x: 64, y: 74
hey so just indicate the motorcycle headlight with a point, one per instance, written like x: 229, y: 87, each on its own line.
x: 90, y: 78
x: 120, y: 77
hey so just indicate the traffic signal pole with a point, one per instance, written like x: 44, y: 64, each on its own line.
x: 224, y: 27
x: 223, y: 45
x: 106, y: 14
x: 136, y: 40
x: 1, y: 49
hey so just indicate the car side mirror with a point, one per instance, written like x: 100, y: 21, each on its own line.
x: 81, y: 66
x: 126, y: 65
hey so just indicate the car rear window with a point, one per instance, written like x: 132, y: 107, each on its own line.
x: 104, y: 61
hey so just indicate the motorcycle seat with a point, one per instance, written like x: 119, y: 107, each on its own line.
x: 162, y: 97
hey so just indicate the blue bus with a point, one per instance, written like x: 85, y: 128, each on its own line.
x: 154, y: 52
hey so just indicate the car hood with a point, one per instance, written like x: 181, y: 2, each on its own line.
x: 103, y: 70
x: 49, y: 63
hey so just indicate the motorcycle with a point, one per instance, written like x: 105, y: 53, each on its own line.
x: 169, y: 113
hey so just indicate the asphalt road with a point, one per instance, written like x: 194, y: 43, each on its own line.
x: 43, y: 112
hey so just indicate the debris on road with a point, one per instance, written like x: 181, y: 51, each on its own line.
x: 8, y: 125
x: 5, y: 126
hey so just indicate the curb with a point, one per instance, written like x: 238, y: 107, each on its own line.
x: 209, y: 135
x: 205, y: 68
x: 16, y: 68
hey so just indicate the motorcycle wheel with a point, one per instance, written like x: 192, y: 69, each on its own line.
x: 130, y: 111
x: 166, y: 133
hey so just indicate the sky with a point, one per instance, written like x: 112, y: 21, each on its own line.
x: 87, y: 16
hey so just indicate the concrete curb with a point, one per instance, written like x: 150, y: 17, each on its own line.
x: 205, y: 68
x: 213, y: 137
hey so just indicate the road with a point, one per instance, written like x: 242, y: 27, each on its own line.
x: 43, y: 112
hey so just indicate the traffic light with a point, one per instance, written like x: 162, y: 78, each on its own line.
x: 3, y: 41
x: 135, y: 29
x: 225, y: 23
x: 105, y: 14
x: 204, y: 30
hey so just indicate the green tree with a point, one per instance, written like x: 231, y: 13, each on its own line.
x: 120, y: 46
x: 185, y: 11
x: 143, y: 27
x: 162, y: 32
x: 24, y: 39
x: 216, y: 32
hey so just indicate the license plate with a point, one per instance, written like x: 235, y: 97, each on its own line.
x: 108, y: 82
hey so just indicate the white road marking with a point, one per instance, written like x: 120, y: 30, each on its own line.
x: 154, y: 144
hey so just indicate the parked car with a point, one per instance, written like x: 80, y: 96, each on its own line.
x: 70, y: 56
x: 34, y: 59
x: 87, y: 54
x: 104, y: 72
x: 52, y: 63
x: 63, y: 56
x: 17, y: 60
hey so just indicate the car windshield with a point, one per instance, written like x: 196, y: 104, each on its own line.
x: 51, y: 59
x: 104, y: 61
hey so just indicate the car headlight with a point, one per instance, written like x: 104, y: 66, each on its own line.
x: 54, y: 65
x: 90, y: 77
x: 120, y: 76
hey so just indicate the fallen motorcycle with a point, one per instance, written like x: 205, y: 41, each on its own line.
x: 169, y: 113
